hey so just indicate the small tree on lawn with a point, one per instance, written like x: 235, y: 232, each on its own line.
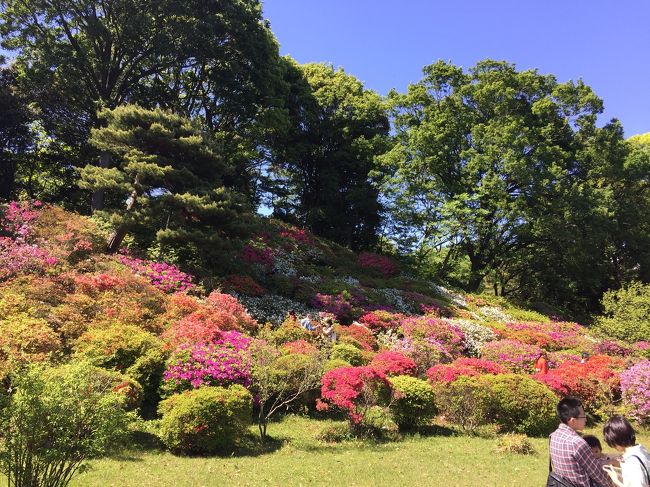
x: 279, y: 380
x: 55, y: 420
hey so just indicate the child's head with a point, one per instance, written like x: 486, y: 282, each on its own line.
x: 594, y: 444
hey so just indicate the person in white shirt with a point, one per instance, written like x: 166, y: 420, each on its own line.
x: 635, y: 464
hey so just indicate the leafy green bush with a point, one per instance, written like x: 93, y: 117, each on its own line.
x: 515, y: 403
x: 205, y: 420
x: 335, y: 364
x: 626, y: 313
x: 56, y: 420
x: 348, y: 353
x: 413, y: 401
x: 378, y: 423
x: 515, y: 443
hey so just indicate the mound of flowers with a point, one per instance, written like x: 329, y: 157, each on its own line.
x: 467, y: 367
x: 512, y: 354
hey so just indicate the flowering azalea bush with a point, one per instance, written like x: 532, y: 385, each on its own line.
x: 380, y: 320
x: 596, y: 382
x: 297, y: 235
x: 635, y: 386
x: 222, y: 362
x: 382, y: 264
x: 353, y: 390
x: 393, y: 364
x: 475, y: 336
x: 613, y: 348
x: 299, y: 347
x: 271, y: 308
x: 443, y: 332
x: 463, y: 367
x: 360, y: 334
x: 339, y: 305
x: 243, y: 285
x: 512, y: 354
x: 164, y: 276
x: 219, y: 312
x: 553, y: 335
x: 257, y: 251
x: 21, y: 258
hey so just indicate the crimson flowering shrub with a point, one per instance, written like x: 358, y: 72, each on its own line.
x: 219, y: 312
x: 243, y: 285
x: 553, y: 335
x: 386, y: 266
x: 164, y: 276
x: 360, y: 334
x: 448, y: 335
x: 297, y: 235
x: 596, y: 381
x: 257, y: 251
x: 464, y: 366
x: 635, y: 388
x: 223, y: 362
x: 512, y: 354
x: 353, y: 390
x: 393, y: 364
x: 337, y: 304
x: 380, y: 320
x: 93, y: 284
x: 425, y: 352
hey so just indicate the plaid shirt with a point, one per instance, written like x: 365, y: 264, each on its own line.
x: 573, y: 459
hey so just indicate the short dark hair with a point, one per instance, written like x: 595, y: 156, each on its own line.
x: 568, y: 408
x: 619, y: 432
x: 592, y: 441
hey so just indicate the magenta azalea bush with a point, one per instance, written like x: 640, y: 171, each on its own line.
x: 225, y: 361
x: 512, y: 354
x: 448, y: 336
x: 635, y: 387
x: 164, y: 276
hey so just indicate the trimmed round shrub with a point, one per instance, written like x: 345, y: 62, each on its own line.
x: 206, y: 420
x: 515, y: 403
x: 463, y: 366
x: 413, y: 401
x: 348, y: 353
x: 335, y: 364
x: 512, y: 354
x: 635, y: 386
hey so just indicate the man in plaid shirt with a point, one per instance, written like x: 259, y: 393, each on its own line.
x: 571, y: 457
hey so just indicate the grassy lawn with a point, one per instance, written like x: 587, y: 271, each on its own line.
x: 297, y: 459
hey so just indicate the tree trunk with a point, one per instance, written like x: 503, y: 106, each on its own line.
x: 116, y: 238
x: 97, y: 202
x: 7, y: 178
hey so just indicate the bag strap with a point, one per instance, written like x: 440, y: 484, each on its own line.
x: 647, y: 476
x: 550, y: 466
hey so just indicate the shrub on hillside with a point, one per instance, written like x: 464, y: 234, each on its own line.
x: 380, y: 320
x: 380, y: 264
x: 362, y: 335
x: 354, y: 390
x: 463, y: 367
x: 551, y: 336
x: 243, y: 285
x: 512, y: 354
x: 626, y: 313
x: 635, y: 387
x: 413, y: 401
x: 222, y: 362
x: 475, y: 336
x: 348, y: 353
x: 448, y: 335
x: 56, y: 420
x: 394, y: 363
x: 206, y: 420
x: 271, y: 308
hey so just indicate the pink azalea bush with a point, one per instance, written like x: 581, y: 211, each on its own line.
x: 512, y: 354
x: 380, y: 320
x: 635, y: 388
x: 164, y: 276
x: 223, y: 362
x: 449, y: 336
x: 553, y: 335
x: 386, y: 266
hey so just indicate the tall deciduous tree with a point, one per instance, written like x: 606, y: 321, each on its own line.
x: 212, y: 58
x: 474, y: 152
x: 321, y: 157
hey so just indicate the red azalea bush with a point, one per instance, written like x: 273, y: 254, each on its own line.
x: 393, y: 364
x: 360, y: 334
x: 380, y: 320
x: 243, y: 285
x: 337, y: 304
x: 450, y: 336
x: 353, y: 390
x: 384, y: 265
x: 463, y: 367
x: 596, y: 382
x: 220, y: 312
x: 512, y: 354
x: 297, y: 235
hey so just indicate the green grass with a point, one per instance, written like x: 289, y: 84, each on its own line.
x: 296, y: 458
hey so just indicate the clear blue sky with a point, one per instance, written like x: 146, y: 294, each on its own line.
x: 386, y: 43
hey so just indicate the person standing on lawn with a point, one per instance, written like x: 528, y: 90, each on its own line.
x: 571, y: 456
